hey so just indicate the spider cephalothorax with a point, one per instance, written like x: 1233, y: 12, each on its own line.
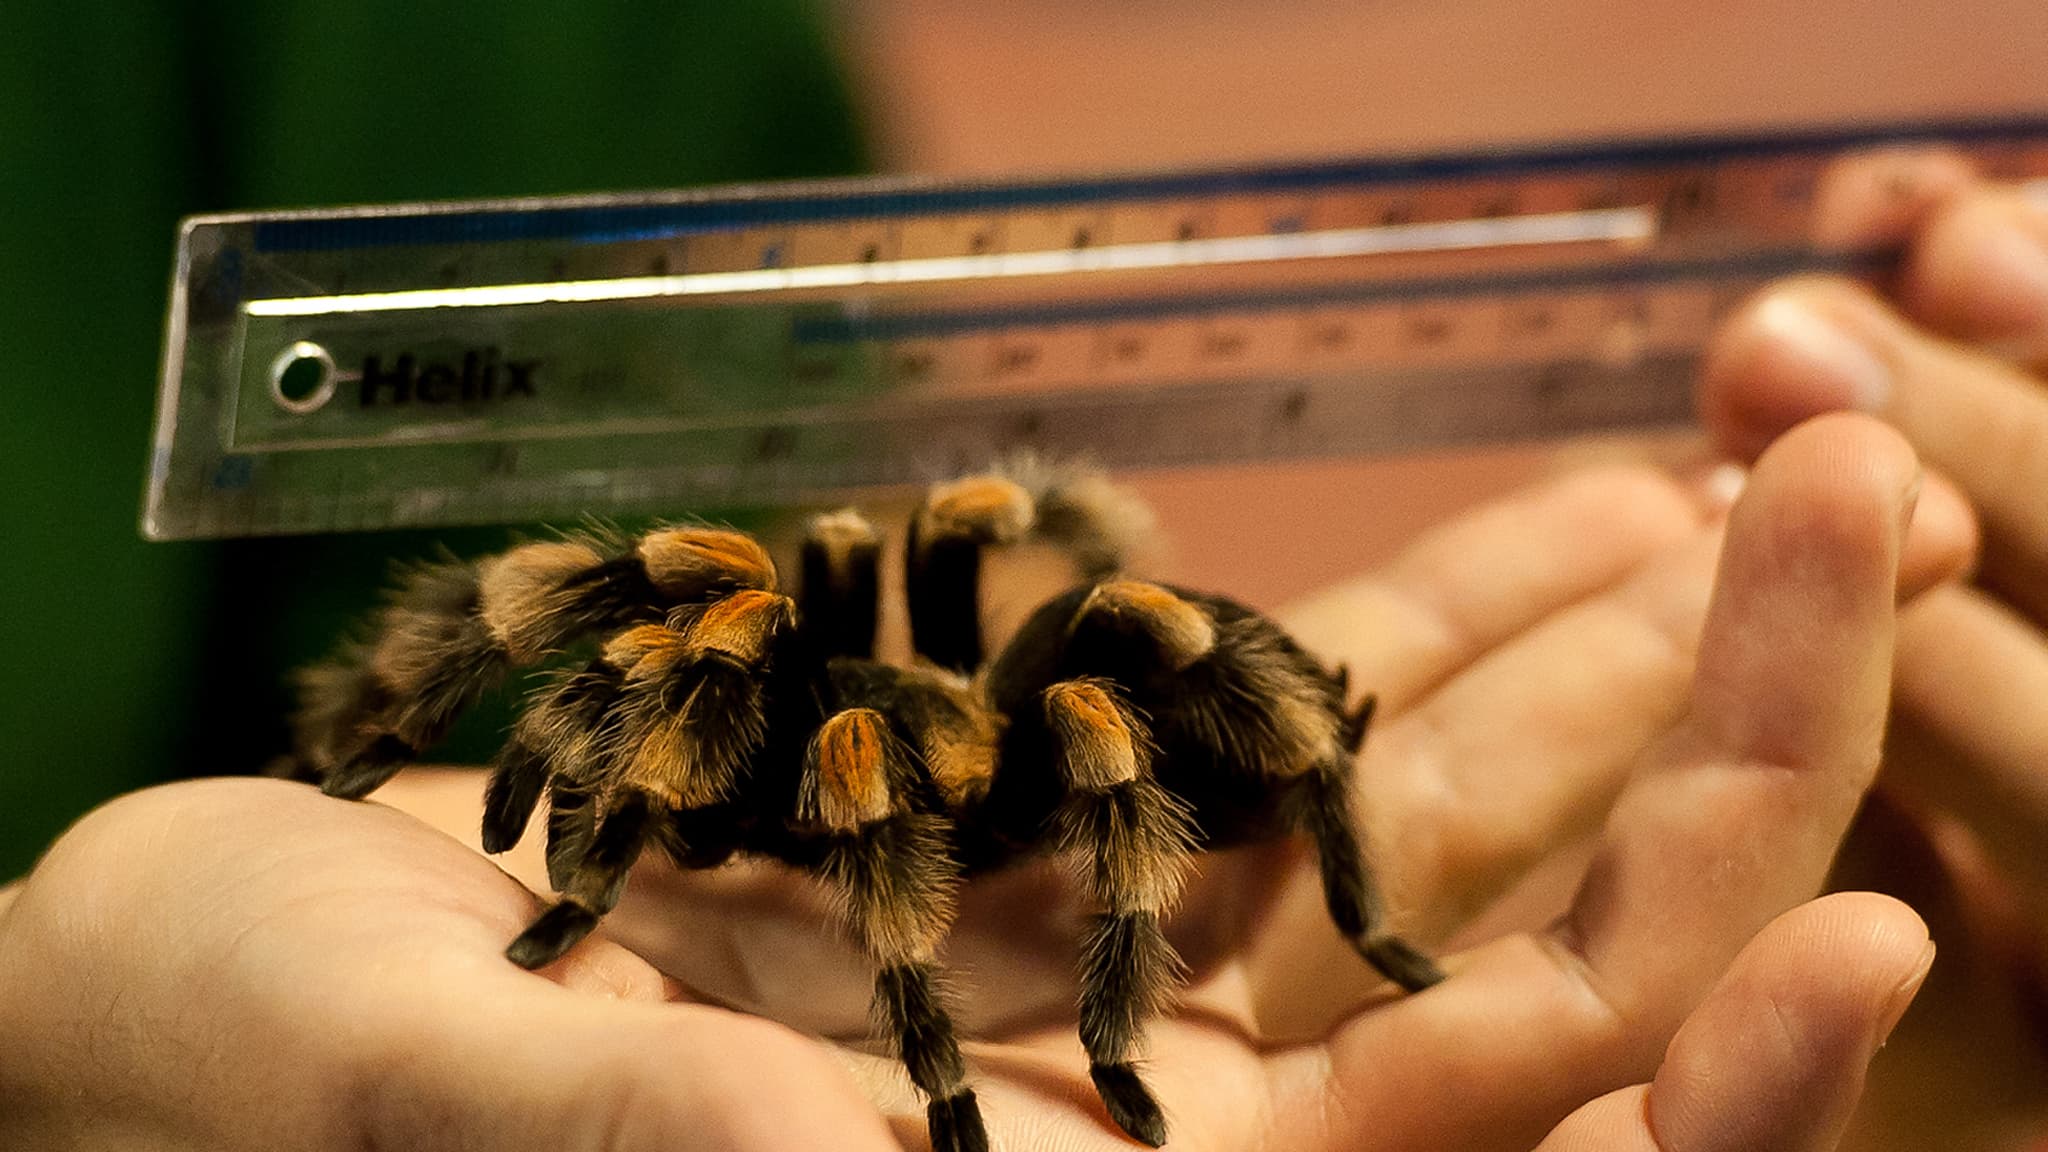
x: 1126, y: 725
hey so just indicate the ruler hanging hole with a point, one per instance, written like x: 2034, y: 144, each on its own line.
x: 302, y: 378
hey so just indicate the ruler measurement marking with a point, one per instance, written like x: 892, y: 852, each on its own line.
x: 602, y: 219
x: 1616, y: 226
x: 1019, y: 365
x: 911, y: 324
x: 786, y: 364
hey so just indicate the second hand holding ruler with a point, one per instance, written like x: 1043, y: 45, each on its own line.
x: 550, y: 359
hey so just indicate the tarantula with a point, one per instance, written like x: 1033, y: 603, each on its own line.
x: 1126, y: 726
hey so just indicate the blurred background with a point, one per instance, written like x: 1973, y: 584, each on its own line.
x: 129, y: 663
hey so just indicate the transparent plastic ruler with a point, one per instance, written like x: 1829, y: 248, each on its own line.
x: 549, y: 359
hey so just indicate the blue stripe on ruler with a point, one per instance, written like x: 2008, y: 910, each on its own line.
x: 814, y: 329
x: 591, y: 224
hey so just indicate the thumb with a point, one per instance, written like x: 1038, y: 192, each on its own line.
x: 1774, y: 1058
x: 515, y: 1062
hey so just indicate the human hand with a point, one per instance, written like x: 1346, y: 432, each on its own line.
x: 1952, y: 355
x: 246, y: 964
x: 1527, y: 657
x: 1775, y: 1057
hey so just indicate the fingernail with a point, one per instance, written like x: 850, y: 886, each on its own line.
x: 1994, y: 269
x: 1911, y: 501
x: 2010, y: 260
x: 1720, y: 487
x: 1902, y: 996
x: 1816, y: 364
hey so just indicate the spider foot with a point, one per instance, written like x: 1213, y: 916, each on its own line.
x: 558, y: 930
x: 955, y: 1124
x: 1400, y: 962
x: 1129, y: 1102
x: 367, y: 770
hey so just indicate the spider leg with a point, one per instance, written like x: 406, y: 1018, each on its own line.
x: 593, y: 888
x: 675, y: 712
x: 942, y: 563
x: 666, y: 718
x: 1348, y: 889
x: 363, y: 714
x: 572, y: 825
x: 563, y: 727
x: 454, y: 629
x: 1096, y: 523
x: 1136, y: 838
x: 892, y: 869
x: 517, y: 779
x: 694, y: 712
x: 840, y: 593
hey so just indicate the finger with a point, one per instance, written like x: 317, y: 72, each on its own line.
x: 1523, y: 750
x: 1465, y: 587
x: 1822, y: 344
x: 1452, y: 596
x: 1470, y: 796
x: 1731, y: 822
x: 1775, y: 1057
x: 1881, y: 196
x: 1737, y: 818
x: 1979, y: 271
x: 1510, y: 760
x: 345, y: 987
x: 1971, y: 679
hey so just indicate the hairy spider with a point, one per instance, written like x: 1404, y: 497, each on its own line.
x: 1125, y: 726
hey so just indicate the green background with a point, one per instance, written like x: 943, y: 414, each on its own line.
x: 130, y: 663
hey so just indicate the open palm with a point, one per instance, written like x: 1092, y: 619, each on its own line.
x: 1592, y: 797
x: 1533, y: 660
